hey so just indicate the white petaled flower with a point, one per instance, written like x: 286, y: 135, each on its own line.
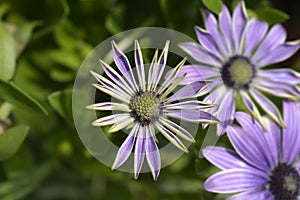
x: 145, y: 106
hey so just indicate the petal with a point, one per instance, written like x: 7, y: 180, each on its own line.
x: 255, y: 32
x: 267, y: 142
x: 123, y: 65
x: 208, y: 42
x: 290, y: 135
x: 253, y: 195
x: 198, y: 73
x: 178, y: 130
x: 171, y: 137
x: 170, y: 77
x: 212, y: 27
x: 192, y: 116
x: 278, y: 54
x: 280, y: 89
x: 120, y: 125
x: 226, y: 28
x: 189, y: 105
x: 152, y: 153
x: 139, y: 151
x: 246, y: 146
x: 225, y: 112
x: 235, y: 180
x: 223, y: 158
x: 108, y: 84
x: 111, y: 119
x: 113, y: 93
x: 198, y: 53
x: 138, y: 57
x: 267, y: 106
x: 151, y: 73
x: 109, y: 106
x: 188, y: 91
x: 280, y: 75
x: 275, y: 37
x: 125, y: 149
x: 113, y: 75
x: 239, y: 20
x: 160, y: 66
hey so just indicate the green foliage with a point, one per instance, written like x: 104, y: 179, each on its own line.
x: 11, y: 140
x: 272, y: 16
x: 213, y: 5
x: 61, y: 101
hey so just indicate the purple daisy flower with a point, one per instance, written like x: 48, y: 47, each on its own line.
x: 145, y: 105
x: 265, y: 165
x: 231, y: 54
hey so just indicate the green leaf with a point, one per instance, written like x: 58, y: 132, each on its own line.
x: 213, y: 5
x: 61, y: 101
x: 22, y: 185
x: 11, y: 140
x: 19, y: 99
x: 7, y: 54
x: 272, y: 16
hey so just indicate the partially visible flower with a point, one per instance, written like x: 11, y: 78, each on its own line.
x: 265, y: 165
x: 146, y: 105
x: 231, y: 54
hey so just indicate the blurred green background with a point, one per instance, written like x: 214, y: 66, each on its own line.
x: 42, y: 44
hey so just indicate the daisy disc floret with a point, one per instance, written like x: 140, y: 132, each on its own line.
x: 146, y: 103
x: 231, y: 53
x: 265, y: 164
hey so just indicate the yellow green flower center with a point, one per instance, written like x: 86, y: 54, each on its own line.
x: 238, y: 72
x: 146, y: 107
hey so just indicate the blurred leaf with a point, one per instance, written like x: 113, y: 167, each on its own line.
x: 22, y: 185
x: 114, y: 20
x: 213, y: 5
x: 7, y: 54
x: 3, y: 9
x: 173, y: 185
x: 61, y: 101
x: 5, y: 110
x: 11, y: 140
x: 272, y: 16
x: 19, y: 98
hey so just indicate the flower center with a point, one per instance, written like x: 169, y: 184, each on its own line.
x: 284, y: 182
x: 238, y: 72
x: 146, y: 107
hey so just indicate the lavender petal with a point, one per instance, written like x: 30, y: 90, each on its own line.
x: 139, y: 151
x: 192, y: 116
x: 281, y: 75
x: 254, y: 194
x: 239, y: 20
x: 226, y: 28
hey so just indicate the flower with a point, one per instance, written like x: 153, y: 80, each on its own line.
x: 231, y: 54
x: 265, y: 165
x: 147, y: 106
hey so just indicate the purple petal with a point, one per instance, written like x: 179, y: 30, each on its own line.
x: 138, y: 57
x: 197, y: 73
x: 211, y: 86
x: 235, y: 180
x: 177, y: 129
x: 125, y: 149
x: 255, y: 32
x: 123, y: 65
x: 212, y: 27
x: 192, y: 116
x: 267, y: 106
x: 275, y: 37
x: 187, y: 91
x: 226, y: 28
x: 223, y: 158
x: 253, y: 195
x: 239, y: 20
x: 290, y: 135
x: 208, y: 42
x: 278, y: 54
x: 188, y: 105
x: 171, y: 137
x: 267, y: 142
x: 226, y: 111
x: 198, y: 53
x: 139, y: 152
x: 246, y: 146
x: 277, y: 88
x: 281, y: 75
x: 152, y: 153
